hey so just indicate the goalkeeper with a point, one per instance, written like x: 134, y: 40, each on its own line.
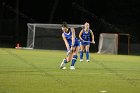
x: 85, y: 35
x: 72, y: 45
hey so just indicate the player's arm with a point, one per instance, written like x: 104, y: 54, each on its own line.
x: 66, y: 42
x: 80, y: 35
x: 73, y: 36
x: 92, y: 35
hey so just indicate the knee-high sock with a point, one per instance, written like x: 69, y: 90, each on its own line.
x: 65, y: 60
x: 74, y: 60
x: 87, y: 55
x: 81, y: 54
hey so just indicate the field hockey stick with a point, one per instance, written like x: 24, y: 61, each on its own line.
x: 88, y: 41
x: 68, y: 53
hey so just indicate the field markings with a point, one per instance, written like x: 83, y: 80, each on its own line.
x: 102, y: 73
x: 103, y: 91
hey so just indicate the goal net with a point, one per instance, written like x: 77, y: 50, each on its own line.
x: 108, y: 43
x: 47, y: 36
x: 114, y: 43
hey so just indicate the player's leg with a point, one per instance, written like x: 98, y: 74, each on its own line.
x: 74, y: 59
x: 87, y: 52
x: 63, y: 63
x: 81, y: 52
x: 66, y: 60
x: 68, y: 57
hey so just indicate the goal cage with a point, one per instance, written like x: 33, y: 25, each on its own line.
x: 110, y: 43
x: 47, y: 36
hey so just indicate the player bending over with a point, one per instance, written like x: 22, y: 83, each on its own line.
x: 84, y: 36
x: 72, y: 46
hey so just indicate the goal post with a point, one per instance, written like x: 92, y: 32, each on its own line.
x: 47, y: 36
x: 124, y: 44
x: 108, y: 43
x: 113, y: 43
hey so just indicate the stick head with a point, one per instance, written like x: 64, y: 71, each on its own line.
x: 93, y: 42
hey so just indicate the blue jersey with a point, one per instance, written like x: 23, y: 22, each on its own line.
x: 86, y: 37
x: 68, y: 37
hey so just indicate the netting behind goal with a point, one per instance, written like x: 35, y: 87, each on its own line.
x: 47, y: 36
x: 108, y: 43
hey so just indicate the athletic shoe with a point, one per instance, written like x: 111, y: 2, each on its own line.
x: 64, y: 68
x: 88, y: 60
x: 62, y: 65
x: 81, y: 60
x: 72, y: 67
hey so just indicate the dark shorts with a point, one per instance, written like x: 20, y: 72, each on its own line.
x: 76, y: 44
x: 84, y: 43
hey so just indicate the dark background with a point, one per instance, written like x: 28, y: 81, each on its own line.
x: 111, y: 16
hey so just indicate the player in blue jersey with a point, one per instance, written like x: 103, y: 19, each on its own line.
x: 85, y: 35
x: 72, y: 46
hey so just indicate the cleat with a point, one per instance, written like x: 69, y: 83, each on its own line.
x: 87, y: 60
x: 64, y: 68
x: 72, y: 67
x: 81, y: 60
x: 62, y: 65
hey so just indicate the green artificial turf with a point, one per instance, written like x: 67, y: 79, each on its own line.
x: 37, y: 71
